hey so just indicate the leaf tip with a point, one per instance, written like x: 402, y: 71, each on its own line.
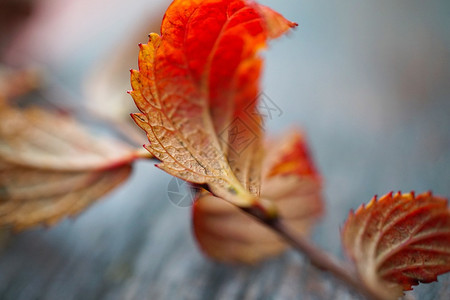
x: 386, y: 197
x: 372, y: 202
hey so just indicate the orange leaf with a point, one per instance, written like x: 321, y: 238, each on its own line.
x: 51, y: 167
x: 398, y: 241
x: 291, y: 158
x: 226, y: 234
x: 194, y: 80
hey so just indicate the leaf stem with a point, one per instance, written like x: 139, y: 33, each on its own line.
x: 319, y: 257
x: 143, y: 154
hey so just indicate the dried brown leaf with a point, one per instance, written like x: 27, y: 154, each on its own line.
x: 52, y: 167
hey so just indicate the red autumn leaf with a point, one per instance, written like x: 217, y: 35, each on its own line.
x: 398, y: 241
x: 194, y: 81
x: 226, y: 234
x: 51, y: 167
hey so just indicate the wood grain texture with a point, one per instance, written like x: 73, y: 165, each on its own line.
x: 141, y: 247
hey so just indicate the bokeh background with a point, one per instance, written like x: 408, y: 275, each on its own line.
x: 368, y: 81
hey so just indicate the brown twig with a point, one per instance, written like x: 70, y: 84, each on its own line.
x: 318, y: 257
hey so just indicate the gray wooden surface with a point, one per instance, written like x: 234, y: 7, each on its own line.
x: 369, y: 82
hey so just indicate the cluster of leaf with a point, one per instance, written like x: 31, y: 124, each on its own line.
x: 196, y: 82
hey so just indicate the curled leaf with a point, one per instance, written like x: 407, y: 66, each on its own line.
x: 398, y: 241
x: 226, y: 234
x: 52, y: 167
x: 195, y: 81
